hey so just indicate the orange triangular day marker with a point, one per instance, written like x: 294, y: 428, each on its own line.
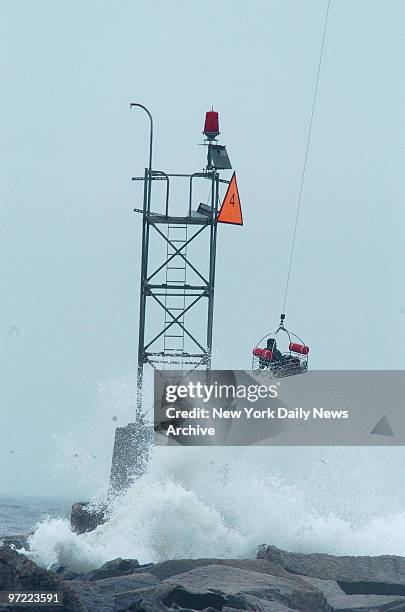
x: 231, y: 211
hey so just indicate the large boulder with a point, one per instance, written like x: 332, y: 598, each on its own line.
x: 100, y: 595
x: 85, y: 516
x: 116, y: 567
x: 341, y: 602
x: 217, y: 586
x: 18, y: 573
x: 384, y: 575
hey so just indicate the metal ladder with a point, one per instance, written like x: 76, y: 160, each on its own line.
x: 176, y: 275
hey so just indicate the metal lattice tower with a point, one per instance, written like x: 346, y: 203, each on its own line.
x: 179, y: 343
x: 175, y: 281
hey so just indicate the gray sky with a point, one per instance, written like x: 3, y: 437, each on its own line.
x: 70, y: 245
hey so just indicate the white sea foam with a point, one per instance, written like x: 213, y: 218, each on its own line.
x: 224, y: 502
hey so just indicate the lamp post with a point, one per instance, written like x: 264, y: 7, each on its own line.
x: 145, y: 239
x: 151, y: 130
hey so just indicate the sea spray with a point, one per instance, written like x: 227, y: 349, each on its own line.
x: 221, y: 503
x: 224, y: 502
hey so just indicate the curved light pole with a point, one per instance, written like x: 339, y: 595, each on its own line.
x: 151, y: 130
x: 145, y: 239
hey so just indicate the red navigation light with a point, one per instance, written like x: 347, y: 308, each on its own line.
x: 211, y: 125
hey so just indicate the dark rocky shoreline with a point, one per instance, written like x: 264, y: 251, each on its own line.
x: 277, y: 581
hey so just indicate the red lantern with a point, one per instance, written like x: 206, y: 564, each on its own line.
x: 211, y: 125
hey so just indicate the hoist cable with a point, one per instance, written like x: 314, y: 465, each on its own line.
x: 305, y: 159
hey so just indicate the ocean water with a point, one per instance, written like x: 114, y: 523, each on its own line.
x: 20, y: 515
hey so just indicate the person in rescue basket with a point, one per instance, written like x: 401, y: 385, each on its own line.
x: 272, y: 346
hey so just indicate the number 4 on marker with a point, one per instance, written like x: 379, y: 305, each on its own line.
x: 231, y: 211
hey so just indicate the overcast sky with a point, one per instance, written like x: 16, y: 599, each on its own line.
x: 70, y: 243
